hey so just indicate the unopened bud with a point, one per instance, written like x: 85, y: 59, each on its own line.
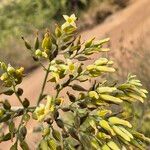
x: 38, y: 53
x: 27, y: 45
x: 4, y: 77
x: 10, y: 70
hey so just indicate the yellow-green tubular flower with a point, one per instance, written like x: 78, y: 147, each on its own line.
x: 130, y: 94
x: 103, y: 41
x: 105, y: 69
x: 101, y: 61
x: 103, y: 112
x: 47, y: 42
x: 39, y: 112
x: 43, y: 110
x: 127, y: 132
x: 89, y: 43
x: 49, y: 107
x: 124, y: 148
x: 132, y: 88
x: 105, y: 147
x: 105, y: 125
x: 106, y: 89
x: 71, y: 66
x: 144, y: 91
x: 116, y: 120
x: 113, y: 145
x: 55, y: 77
x: 121, y: 133
x: 110, y: 98
x: 135, y: 82
x: 93, y: 94
x: 69, y: 21
x: 126, y: 98
x: 90, y: 67
x: 102, y: 135
x: 4, y: 76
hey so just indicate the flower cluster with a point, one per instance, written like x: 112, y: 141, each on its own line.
x: 11, y: 76
x: 59, y: 69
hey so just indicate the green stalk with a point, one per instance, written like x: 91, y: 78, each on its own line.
x: 43, y: 85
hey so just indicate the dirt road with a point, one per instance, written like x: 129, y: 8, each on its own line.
x: 129, y: 24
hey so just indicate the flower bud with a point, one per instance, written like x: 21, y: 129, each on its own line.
x: 4, y: 77
x: 38, y: 53
x: 46, y: 131
x: 89, y: 43
x: 36, y: 42
x: 27, y: 45
x: 20, y: 70
x: 47, y: 42
x: 58, y: 32
x: 3, y: 66
x: 10, y: 70
x: 44, y: 54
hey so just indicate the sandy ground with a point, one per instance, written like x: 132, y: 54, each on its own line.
x: 129, y: 24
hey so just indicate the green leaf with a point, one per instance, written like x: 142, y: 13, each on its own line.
x: 6, y: 105
x: 113, y: 145
x: 56, y: 135
x: 19, y: 91
x: 5, y: 118
x: 6, y: 137
x: 77, y: 87
x: 26, y: 103
x: 72, y: 98
x: 24, y: 145
x: 14, y: 147
x: 85, y: 140
x: 8, y: 92
x: 82, y: 58
x: 95, y: 144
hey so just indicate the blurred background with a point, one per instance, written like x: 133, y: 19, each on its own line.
x: 126, y: 22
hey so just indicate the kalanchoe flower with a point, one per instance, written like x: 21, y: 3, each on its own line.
x: 70, y: 21
x: 71, y: 66
x: 42, y: 110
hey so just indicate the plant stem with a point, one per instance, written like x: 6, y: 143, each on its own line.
x: 20, y: 124
x: 43, y: 85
